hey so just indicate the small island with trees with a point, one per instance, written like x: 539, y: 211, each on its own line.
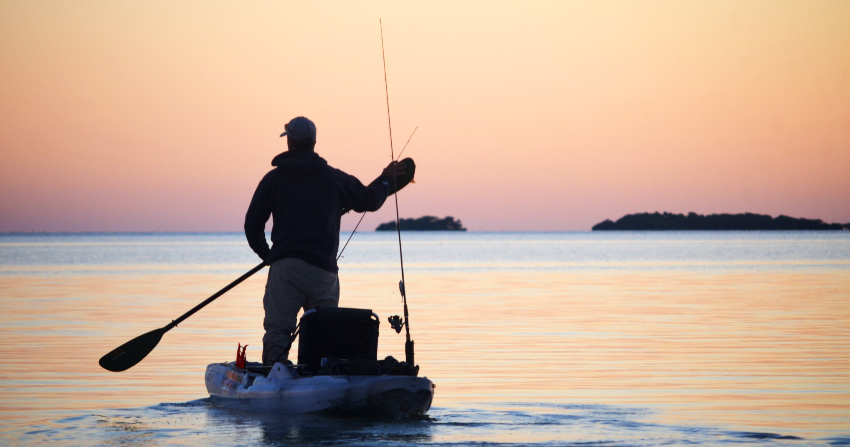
x: 424, y: 223
x: 713, y: 222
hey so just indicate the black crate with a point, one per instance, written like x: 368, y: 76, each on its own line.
x: 337, y: 333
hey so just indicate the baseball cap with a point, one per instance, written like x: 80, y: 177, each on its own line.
x: 300, y: 129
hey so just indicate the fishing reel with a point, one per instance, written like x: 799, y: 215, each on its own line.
x: 396, y: 322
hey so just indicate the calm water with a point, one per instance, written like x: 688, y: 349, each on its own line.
x: 739, y: 338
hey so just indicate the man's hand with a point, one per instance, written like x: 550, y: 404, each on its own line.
x: 394, y: 169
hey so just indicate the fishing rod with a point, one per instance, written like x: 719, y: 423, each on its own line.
x: 395, y: 322
x: 364, y: 213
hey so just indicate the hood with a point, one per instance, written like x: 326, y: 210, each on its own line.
x: 299, y: 162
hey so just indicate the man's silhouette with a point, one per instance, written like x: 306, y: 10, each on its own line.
x: 306, y: 196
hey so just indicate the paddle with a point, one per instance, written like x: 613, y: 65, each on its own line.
x: 127, y: 355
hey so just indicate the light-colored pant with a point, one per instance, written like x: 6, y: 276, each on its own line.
x: 293, y: 284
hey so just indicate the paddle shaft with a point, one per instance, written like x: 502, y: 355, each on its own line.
x: 221, y: 292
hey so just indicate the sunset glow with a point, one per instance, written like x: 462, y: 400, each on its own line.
x: 163, y: 116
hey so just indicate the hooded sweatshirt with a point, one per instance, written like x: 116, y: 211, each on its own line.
x: 306, y: 196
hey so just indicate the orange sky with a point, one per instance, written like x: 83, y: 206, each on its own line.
x: 145, y: 116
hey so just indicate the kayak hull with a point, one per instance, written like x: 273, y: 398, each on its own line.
x: 284, y: 392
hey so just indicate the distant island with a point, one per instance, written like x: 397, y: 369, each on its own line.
x: 424, y: 223
x: 693, y: 221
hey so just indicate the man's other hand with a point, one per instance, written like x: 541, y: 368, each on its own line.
x: 395, y: 168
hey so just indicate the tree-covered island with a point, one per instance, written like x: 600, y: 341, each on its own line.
x: 693, y: 221
x: 424, y: 223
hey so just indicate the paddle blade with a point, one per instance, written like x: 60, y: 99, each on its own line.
x: 127, y: 355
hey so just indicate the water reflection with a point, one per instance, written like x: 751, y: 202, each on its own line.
x: 200, y: 423
x: 520, y: 354
x: 200, y: 420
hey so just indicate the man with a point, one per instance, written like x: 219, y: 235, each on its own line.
x: 306, y: 197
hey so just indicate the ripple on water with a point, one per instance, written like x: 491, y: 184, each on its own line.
x: 533, y: 339
x: 200, y: 422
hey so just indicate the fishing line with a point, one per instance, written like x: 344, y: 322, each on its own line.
x: 405, y: 144
x: 364, y: 213
x: 350, y: 236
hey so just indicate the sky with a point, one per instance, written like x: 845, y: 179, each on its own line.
x: 532, y: 116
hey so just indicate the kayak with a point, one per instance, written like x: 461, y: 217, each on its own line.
x: 285, y: 391
x: 337, y: 372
